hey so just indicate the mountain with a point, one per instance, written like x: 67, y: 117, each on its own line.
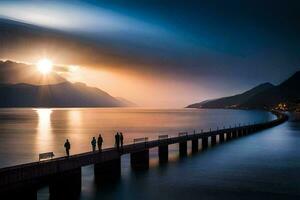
x: 264, y: 96
x: 22, y: 86
x: 287, y: 92
x: 63, y: 94
x: 14, y: 72
x: 126, y: 102
x: 233, y: 101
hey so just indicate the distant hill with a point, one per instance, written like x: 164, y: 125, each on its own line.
x: 233, y: 101
x: 264, y: 96
x: 63, y: 94
x: 22, y: 86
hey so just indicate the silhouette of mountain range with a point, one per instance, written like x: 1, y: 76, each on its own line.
x: 264, y: 96
x: 18, y: 89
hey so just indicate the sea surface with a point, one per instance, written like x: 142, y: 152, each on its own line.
x: 259, y: 166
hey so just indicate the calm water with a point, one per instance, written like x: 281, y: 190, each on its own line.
x: 260, y: 166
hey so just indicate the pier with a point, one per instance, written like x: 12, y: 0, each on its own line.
x: 63, y: 175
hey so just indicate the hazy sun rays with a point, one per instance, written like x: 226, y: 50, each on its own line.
x: 44, y: 66
x: 45, y: 72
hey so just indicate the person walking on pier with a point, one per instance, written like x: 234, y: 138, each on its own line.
x: 121, y: 139
x: 67, y: 147
x: 117, y: 140
x: 93, y: 142
x: 99, y: 142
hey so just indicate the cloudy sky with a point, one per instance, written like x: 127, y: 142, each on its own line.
x: 158, y: 53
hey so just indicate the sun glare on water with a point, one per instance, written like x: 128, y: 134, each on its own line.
x: 44, y: 66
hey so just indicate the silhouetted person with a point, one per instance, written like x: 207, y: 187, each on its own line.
x: 121, y: 139
x: 93, y: 142
x: 67, y: 147
x: 117, y: 140
x: 99, y: 142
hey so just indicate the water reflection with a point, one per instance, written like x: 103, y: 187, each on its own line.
x: 75, y: 131
x: 75, y: 120
x: 44, y: 135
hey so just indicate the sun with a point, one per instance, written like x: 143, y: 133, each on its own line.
x: 44, y: 66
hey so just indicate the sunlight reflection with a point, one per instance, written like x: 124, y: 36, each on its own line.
x: 75, y: 119
x: 44, y: 130
x: 75, y: 131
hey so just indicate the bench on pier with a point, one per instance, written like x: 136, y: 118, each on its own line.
x: 46, y: 156
x: 138, y: 140
x: 160, y: 137
x: 182, y: 134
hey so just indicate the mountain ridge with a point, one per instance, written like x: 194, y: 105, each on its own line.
x: 22, y: 86
x: 63, y: 94
x: 263, y: 96
x: 234, y: 100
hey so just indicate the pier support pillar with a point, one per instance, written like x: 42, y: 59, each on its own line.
x: 228, y: 136
x: 107, y: 171
x: 30, y: 194
x: 240, y: 133
x: 163, y: 153
x: 246, y: 131
x: 221, y: 137
x: 213, y: 140
x: 195, y: 146
x: 66, y: 185
x: 140, y: 160
x: 250, y: 130
x: 27, y: 192
x: 204, y: 142
x: 234, y: 134
x: 182, y: 148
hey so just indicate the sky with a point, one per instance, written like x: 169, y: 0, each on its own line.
x: 158, y: 53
